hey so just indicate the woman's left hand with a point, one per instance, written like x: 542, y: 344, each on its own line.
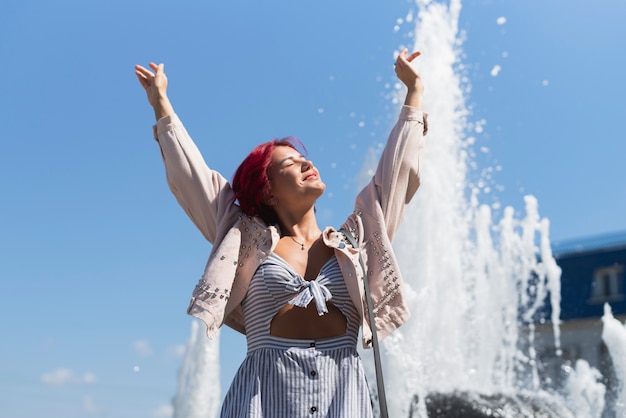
x: 410, y: 77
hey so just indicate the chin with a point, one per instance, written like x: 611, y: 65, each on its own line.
x: 321, y: 191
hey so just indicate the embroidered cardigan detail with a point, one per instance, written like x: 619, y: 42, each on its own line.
x: 241, y: 243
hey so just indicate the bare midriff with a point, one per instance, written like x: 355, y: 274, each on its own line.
x: 305, y: 323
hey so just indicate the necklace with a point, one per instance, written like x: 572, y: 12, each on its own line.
x: 299, y: 243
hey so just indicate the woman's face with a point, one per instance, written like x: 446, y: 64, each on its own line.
x: 293, y: 178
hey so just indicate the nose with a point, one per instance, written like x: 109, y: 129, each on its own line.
x: 306, y: 164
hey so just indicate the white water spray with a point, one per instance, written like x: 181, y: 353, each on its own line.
x: 463, y: 272
x: 198, y: 394
x: 614, y: 336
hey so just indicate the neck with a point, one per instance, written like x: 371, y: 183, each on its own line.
x: 304, y: 228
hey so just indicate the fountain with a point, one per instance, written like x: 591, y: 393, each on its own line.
x: 198, y: 394
x: 476, y: 287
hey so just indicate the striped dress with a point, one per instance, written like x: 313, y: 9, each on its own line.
x: 293, y: 378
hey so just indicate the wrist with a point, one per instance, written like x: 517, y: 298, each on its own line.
x: 416, y: 88
x: 162, y: 107
x: 414, y: 98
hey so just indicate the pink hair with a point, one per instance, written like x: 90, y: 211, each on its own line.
x: 251, y: 183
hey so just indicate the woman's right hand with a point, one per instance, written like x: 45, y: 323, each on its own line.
x: 155, y: 84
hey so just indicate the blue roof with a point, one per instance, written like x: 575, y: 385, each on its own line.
x: 603, y: 242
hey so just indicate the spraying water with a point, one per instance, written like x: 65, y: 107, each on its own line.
x: 464, y: 273
x: 476, y: 287
x: 198, y: 394
x: 614, y: 336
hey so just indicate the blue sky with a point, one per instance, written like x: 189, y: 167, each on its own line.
x: 97, y: 261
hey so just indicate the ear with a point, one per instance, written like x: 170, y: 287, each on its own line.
x: 270, y: 200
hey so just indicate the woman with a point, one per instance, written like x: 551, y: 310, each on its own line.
x: 295, y: 291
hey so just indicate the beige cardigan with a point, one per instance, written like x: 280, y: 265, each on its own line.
x: 241, y: 243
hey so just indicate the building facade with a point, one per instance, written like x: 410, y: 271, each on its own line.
x: 593, y: 274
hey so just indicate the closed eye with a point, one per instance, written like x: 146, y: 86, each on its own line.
x: 289, y: 161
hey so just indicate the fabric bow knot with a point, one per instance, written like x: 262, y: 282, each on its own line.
x: 311, y: 290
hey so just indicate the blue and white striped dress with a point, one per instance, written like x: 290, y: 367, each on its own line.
x: 293, y: 378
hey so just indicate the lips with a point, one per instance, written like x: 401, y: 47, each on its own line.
x: 310, y: 176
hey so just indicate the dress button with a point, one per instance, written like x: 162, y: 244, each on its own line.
x: 313, y: 373
x: 313, y: 409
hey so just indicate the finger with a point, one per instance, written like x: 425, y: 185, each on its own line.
x: 142, y: 70
x: 413, y: 56
x: 401, y: 61
x: 140, y: 74
x: 142, y: 80
x: 403, y: 53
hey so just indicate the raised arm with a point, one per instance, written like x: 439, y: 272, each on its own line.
x: 397, y: 176
x: 203, y: 193
x: 155, y: 84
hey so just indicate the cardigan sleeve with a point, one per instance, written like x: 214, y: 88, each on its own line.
x: 204, y: 194
x: 397, y: 176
